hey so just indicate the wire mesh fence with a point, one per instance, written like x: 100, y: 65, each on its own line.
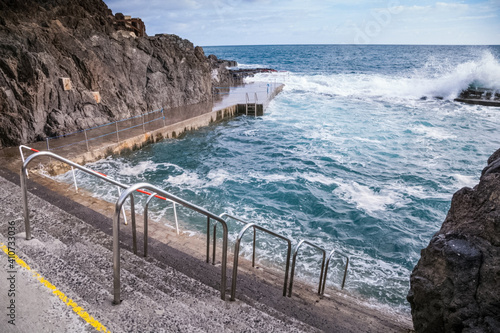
x: 108, y: 133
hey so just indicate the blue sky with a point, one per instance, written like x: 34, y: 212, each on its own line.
x: 254, y: 22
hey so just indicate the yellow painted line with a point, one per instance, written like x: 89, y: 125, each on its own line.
x: 65, y: 299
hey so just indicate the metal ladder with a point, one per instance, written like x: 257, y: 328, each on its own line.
x: 251, y: 108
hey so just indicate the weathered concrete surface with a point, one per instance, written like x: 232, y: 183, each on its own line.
x: 455, y: 286
x: 340, y: 313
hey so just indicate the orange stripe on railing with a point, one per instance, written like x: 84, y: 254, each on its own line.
x: 102, y: 174
x: 156, y: 196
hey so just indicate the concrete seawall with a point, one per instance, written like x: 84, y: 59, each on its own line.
x: 182, y: 120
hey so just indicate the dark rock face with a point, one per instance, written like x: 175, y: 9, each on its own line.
x: 455, y: 286
x: 46, y: 40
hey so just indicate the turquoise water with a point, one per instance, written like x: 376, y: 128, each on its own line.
x: 355, y: 154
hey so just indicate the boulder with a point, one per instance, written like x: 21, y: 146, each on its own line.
x: 455, y: 286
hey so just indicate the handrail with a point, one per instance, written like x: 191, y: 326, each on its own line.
x: 102, y: 174
x: 215, y: 238
x: 326, y: 270
x: 237, y: 254
x: 169, y: 197
x: 73, y: 172
x: 146, y: 209
x: 116, y: 231
x: 21, y: 147
x: 293, y: 265
x: 24, y: 188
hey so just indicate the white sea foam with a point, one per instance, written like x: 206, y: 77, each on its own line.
x: 318, y: 178
x: 138, y: 169
x: 366, y: 198
x: 270, y: 178
x: 185, y: 180
x: 464, y: 181
x: 218, y: 177
x: 433, y: 80
x: 434, y: 132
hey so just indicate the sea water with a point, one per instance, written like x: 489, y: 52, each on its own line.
x: 361, y: 153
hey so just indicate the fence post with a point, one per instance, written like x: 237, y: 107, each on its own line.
x: 163, y: 115
x: 117, y: 136
x: 143, y: 127
x: 47, y: 139
x: 86, y: 139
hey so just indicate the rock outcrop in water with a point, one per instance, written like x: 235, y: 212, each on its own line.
x: 479, y: 96
x: 68, y: 65
x: 455, y: 286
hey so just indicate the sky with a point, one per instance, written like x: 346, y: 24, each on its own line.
x: 261, y: 22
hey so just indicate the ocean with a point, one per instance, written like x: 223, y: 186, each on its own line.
x: 357, y: 154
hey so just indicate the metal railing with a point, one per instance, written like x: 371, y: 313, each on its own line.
x: 237, y: 249
x: 299, y: 244
x: 146, y: 209
x: 125, y: 194
x: 326, y: 270
x: 155, y: 192
x: 249, y: 105
x: 116, y: 233
x: 21, y: 147
x: 110, y: 132
x: 24, y: 189
x: 237, y: 254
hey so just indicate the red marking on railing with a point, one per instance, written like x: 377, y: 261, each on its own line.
x: 102, y: 174
x: 156, y: 196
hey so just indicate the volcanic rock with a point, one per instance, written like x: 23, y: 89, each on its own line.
x: 47, y: 46
x: 455, y: 287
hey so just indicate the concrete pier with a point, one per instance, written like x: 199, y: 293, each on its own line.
x: 230, y: 103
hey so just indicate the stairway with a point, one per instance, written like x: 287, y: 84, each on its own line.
x: 76, y: 258
x: 170, y: 291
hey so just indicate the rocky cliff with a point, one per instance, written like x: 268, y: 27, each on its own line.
x: 113, y: 74
x: 455, y: 286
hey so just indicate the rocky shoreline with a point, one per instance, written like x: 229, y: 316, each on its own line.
x: 66, y: 67
x: 455, y: 287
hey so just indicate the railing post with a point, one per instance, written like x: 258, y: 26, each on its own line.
x: 134, y: 232
x: 176, y: 221
x: 214, y: 243
x: 116, y: 255
x: 208, y: 239
x: 47, y: 139
x: 25, y: 202
x: 74, y: 178
x: 143, y: 126
x: 123, y: 208
x: 146, y: 210
x: 117, y: 136
x: 163, y: 115
x: 86, y: 139
x: 253, y: 251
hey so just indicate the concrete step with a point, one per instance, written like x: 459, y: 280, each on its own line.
x: 71, y: 228
x: 75, y: 258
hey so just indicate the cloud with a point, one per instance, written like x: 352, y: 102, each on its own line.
x: 230, y: 22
